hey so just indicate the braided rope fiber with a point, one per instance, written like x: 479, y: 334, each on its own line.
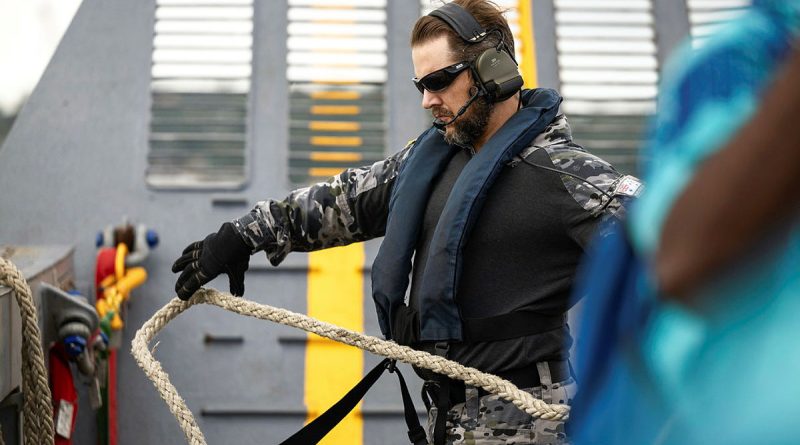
x: 37, y: 408
x: 505, y: 389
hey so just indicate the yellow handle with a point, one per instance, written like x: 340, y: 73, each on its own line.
x: 119, y: 260
x: 134, y: 278
x: 115, y: 294
x: 116, y: 322
x: 102, y: 307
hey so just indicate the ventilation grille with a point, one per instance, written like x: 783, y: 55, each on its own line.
x: 706, y: 16
x: 336, y: 71
x: 200, y: 84
x: 609, y: 74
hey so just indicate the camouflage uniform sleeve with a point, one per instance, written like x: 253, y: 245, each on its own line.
x: 598, y: 189
x: 594, y: 183
x: 350, y: 207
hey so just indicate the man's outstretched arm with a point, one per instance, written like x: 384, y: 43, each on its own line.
x: 350, y: 207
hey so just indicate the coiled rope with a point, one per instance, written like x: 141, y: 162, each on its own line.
x: 37, y: 408
x: 194, y: 436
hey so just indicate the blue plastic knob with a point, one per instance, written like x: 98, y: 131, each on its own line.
x: 152, y: 238
x: 75, y: 345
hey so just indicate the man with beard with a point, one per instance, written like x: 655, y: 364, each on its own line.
x: 489, y: 211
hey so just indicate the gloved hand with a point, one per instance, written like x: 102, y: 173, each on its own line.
x: 201, y: 262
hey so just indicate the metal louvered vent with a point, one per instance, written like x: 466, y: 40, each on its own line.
x: 336, y: 71
x: 706, y: 16
x: 200, y: 84
x: 609, y: 74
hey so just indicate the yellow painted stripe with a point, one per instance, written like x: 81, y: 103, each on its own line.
x: 334, y: 126
x: 335, y: 295
x: 340, y: 95
x: 338, y: 156
x: 318, y: 172
x: 335, y: 109
x: 528, y: 49
x: 336, y: 141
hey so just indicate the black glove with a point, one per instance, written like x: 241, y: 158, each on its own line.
x: 201, y: 262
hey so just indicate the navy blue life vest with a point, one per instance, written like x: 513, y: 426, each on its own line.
x: 439, y: 316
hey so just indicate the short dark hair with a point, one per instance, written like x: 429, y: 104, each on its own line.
x: 489, y: 16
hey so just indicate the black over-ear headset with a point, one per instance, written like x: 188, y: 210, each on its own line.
x: 495, y: 69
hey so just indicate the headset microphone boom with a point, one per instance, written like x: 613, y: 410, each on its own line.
x: 440, y: 124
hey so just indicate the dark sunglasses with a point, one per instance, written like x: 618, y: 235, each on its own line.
x: 440, y: 79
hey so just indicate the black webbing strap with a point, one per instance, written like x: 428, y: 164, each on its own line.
x: 442, y: 399
x: 416, y: 434
x: 442, y: 406
x: 511, y: 325
x: 322, y: 425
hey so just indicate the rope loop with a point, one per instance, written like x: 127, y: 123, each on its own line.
x: 37, y: 408
x: 152, y: 368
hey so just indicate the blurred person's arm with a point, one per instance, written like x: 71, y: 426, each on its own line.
x: 738, y: 194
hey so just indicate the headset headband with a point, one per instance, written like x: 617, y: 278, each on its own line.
x: 461, y: 21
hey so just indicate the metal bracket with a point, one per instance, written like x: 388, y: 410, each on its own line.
x: 60, y: 309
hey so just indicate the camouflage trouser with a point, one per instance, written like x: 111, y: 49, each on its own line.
x: 490, y: 420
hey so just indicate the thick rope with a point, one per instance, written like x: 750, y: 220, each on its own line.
x: 37, y: 408
x: 506, y: 390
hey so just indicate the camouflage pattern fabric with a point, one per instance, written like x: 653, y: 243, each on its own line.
x: 319, y: 216
x: 573, y: 159
x: 325, y: 214
x: 490, y: 420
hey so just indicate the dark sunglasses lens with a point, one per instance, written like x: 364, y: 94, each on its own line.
x: 436, y: 81
x: 441, y: 79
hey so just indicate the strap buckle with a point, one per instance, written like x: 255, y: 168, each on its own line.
x: 417, y: 436
x: 441, y: 348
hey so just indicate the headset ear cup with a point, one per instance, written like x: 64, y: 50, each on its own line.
x: 509, y: 88
x: 498, y: 73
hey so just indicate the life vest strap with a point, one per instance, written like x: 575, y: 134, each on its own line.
x: 313, y: 432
